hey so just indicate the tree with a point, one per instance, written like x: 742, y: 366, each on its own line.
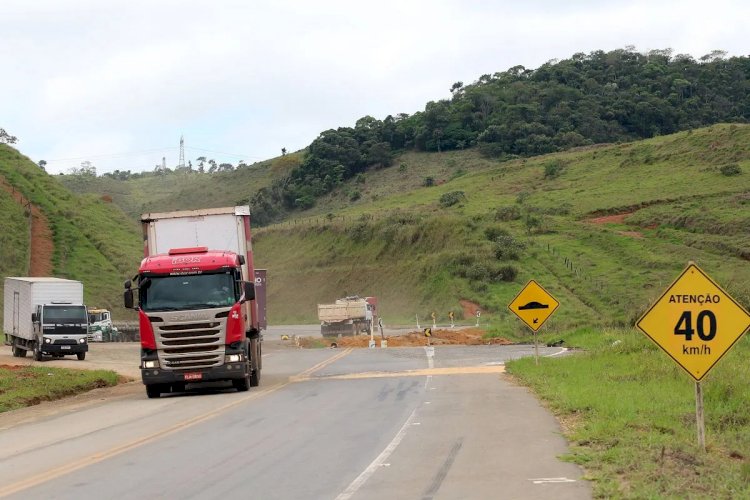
x: 42, y: 164
x: 283, y: 151
x: 6, y: 138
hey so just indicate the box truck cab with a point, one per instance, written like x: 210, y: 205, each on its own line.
x: 45, y: 316
x: 197, y: 311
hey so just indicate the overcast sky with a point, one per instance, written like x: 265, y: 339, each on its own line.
x: 117, y: 83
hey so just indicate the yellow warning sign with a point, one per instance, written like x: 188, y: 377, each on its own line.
x: 534, y: 305
x: 695, y: 322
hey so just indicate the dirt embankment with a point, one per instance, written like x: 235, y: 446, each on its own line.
x: 41, y: 246
x: 466, y: 336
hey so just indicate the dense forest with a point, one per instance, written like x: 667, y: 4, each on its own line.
x: 599, y: 97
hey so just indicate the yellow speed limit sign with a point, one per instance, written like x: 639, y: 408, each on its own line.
x: 695, y: 322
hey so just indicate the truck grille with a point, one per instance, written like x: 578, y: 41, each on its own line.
x: 190, y: 345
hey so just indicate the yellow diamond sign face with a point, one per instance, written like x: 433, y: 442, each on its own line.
x: 533, y: 305
x: 695, y: 322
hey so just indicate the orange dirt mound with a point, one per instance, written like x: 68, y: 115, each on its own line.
x: 467, y: 336
x: 610, y: 219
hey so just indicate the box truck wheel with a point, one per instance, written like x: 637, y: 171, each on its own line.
x: 81, y: 356
x: 18, y: 352
x: 37, y: 350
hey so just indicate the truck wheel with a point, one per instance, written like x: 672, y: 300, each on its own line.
x: 242, y: 384
x: 256, y: 361
x: 81, y: 356
x: 153, y: 391
x: 37, y: 351
x: 18, y: 352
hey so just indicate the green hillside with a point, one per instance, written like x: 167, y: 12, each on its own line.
x: 681, y: 197
x: 94, y: 241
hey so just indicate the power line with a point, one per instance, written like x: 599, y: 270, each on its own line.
x: 113, y: 155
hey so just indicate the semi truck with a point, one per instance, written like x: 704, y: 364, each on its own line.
x: 348, y: 316
x: 45, y: 316
x: 196, y: 302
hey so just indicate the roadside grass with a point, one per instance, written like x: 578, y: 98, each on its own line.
x: 22, y: 386
x: 628, y: 411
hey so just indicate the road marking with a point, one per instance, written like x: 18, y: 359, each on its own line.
x: 543, y: 480
x: 306, y: 374
x: 562, y: 351
x: 378, y: 462
x: 429, y: 372
x: 68, y: 468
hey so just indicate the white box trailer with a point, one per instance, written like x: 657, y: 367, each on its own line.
x: 46, y: 316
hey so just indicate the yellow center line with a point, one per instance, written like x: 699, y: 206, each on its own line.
x: 466, y: 370
x: 56, y: 472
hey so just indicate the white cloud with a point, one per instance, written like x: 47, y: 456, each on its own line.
x: 91, y: 78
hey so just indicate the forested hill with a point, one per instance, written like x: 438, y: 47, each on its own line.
x: 601, y: 97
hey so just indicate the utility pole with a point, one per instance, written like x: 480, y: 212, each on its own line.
x: 182, y: 153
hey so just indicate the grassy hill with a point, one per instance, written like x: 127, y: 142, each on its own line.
x: 603, y: 228
x: 94, y: 241
x: 675, y: 197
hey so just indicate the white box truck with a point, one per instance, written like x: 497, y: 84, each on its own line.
x: 45, y: 316
x: 197, y: 304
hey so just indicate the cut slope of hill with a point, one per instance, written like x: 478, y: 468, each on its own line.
x: 94, y: 241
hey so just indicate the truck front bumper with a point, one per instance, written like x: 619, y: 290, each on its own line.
x: 64, y: 348
x: 228, y: 371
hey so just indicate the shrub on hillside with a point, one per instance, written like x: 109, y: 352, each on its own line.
x: 553, y: 169
x: 452, y: 198
x: 730, y: 169
x: 508, y: 248
x: 507, y: 213
x: 428, y: 182
x: 493, y: 232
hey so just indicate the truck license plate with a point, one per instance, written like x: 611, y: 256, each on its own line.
x: 64, y: 347
x: 193, y: 376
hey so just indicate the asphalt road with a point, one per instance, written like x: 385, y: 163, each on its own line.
x: 325, y: 424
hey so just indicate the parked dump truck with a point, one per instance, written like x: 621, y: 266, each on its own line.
x: 348, y: 316
x: 45, y: 316
x: 197, y: 306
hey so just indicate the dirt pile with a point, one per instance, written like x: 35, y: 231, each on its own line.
x: 467, y: 336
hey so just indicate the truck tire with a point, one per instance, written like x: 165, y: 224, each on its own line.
x: 18, y: 352
x: 255, y: 362
x: 81, y: 356
x: 37, y: 351
x: 153, y: 391
x: 241, y: 384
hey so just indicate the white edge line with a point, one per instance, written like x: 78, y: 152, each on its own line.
x: 377, y: 463
x: 563, y: 350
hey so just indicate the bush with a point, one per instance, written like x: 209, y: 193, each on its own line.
x: 450, y: 199
x: 553, y: 169
x: 428, y: 182
x: 507, y: 214
x: 494, y: 232
x: 730, y: 170
x: 355, y: 195
x: 508, y: 248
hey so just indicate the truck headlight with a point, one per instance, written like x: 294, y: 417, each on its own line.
x: 151, y: 364
x: 232, y: 358
x: 82, y: 341
x: 47, y: 341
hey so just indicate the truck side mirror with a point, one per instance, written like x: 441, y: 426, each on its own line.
x: 248, y: 289
x: 34, y: 318
x: 128, y: 284
x: 128, y: 298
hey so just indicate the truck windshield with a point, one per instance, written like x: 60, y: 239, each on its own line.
x: 63, y: 315
x: 199, y: 291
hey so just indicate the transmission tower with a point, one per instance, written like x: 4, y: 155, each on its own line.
x: 182, y: 153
